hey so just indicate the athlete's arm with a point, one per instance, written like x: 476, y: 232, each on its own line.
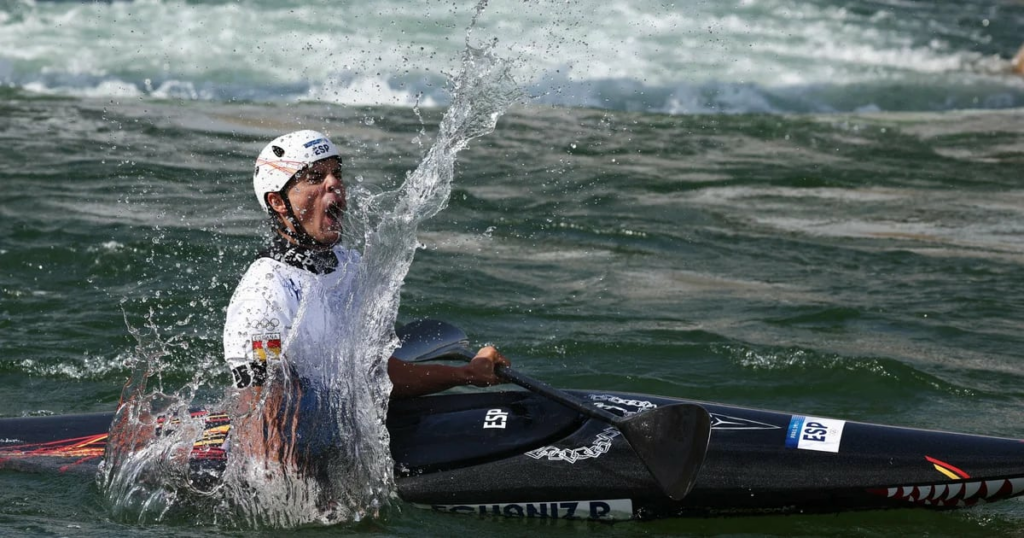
x: 416, y: 379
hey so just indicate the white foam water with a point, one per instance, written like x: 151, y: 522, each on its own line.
x: 348, y: 318
x: 682, y: 57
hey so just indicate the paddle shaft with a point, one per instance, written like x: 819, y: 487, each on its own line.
x: 542, y: 388
x: 557, y: 395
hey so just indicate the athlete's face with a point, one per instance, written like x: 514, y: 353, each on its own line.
x: 317, y: 195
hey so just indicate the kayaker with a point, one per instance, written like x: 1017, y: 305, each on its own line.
x: 298, y: 182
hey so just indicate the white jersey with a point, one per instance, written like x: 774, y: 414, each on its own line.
x: 265, y: 303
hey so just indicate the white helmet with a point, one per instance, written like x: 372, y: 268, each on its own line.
x: 284, y: 157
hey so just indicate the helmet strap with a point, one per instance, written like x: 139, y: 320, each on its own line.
x: 297, y: 232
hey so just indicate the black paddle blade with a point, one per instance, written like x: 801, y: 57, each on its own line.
x: 672, y: 442
x: 428, y: 339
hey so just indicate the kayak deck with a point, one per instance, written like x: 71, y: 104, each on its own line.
x: 757, y: 462
x: 516, y: 454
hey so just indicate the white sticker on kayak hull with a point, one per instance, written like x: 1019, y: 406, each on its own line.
x: 814, y: 433
x: 612, y: 509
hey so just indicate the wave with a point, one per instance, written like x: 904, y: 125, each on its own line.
x: 625, y: 94
x: 733, y: 56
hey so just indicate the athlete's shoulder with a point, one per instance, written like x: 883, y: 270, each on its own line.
x: 266, y: 278
x: 268, y: 268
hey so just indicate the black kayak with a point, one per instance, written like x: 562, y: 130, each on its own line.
x: 517, y: 454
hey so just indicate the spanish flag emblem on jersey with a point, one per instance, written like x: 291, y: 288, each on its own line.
x: 266, y: 346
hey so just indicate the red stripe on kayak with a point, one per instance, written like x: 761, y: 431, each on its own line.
x: 64, y: 468
x: 948, y: 467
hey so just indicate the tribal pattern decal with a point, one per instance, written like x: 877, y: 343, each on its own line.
x: 955, y: 495
x: 603, y: 441
x: 619, y: 405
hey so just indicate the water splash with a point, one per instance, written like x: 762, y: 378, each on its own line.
x: 151, y: 436
x: 348, y: 317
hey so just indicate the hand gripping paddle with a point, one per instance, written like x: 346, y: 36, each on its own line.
x: 671, y: 441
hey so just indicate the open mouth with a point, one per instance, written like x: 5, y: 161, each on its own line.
x: 334, y: 214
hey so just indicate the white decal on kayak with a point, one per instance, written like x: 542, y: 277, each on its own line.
x: 603, y: 441
x: 814, y: 433
x: 614, y: 509
x: 7, y: 441
x: 495, y: 418
x: 613, y: 403
x: 723, y: 422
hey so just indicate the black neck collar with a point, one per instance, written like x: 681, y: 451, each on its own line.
x: 319, y: 261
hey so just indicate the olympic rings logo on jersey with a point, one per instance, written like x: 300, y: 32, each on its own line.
x: 265, y: 324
